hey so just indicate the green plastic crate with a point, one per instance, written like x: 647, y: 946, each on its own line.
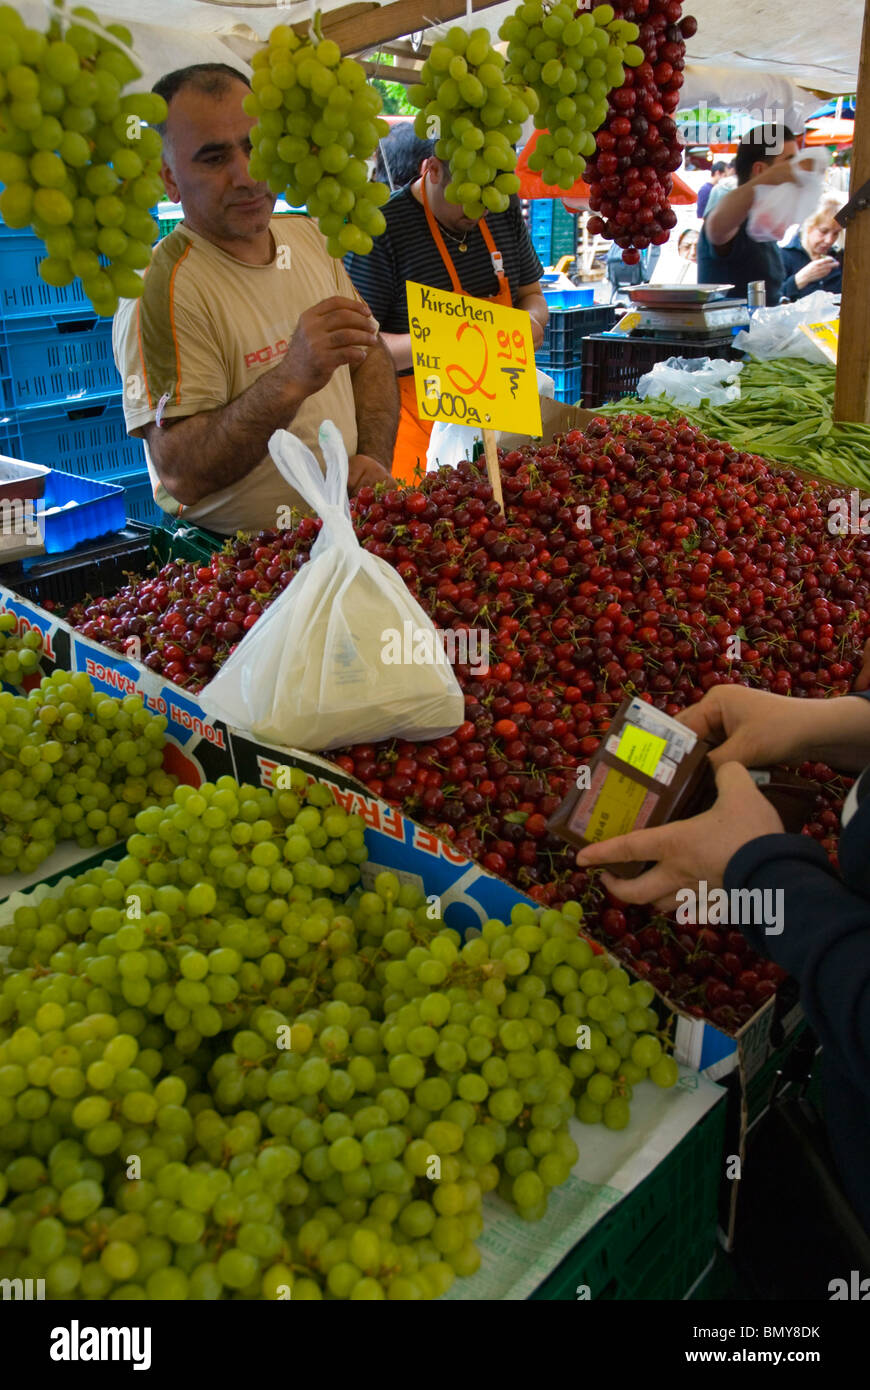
x: 661, y: 1237
x: 184, y: 543
x: 759, y: 1088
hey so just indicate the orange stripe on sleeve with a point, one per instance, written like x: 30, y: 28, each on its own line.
x: 142, y: 354
x: 178, y: 263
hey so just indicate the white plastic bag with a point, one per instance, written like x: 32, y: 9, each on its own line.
x: 332, y: 661
x: 690, y: 380
x: 776, y: 207
x: 774, y: 332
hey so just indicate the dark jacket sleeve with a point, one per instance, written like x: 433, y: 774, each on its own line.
x: 825, y: 938
x: 794, y: 258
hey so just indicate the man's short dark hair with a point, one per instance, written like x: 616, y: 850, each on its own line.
x: 213, y: 79
x: 762, y: 143
x: 400, y: 154
x: 720, y: 167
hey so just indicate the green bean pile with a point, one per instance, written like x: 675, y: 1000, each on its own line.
x: 785, y: 413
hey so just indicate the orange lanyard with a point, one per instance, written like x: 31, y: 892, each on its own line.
x: 504, y: 289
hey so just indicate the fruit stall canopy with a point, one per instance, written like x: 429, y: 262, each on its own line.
x: 815, y: 45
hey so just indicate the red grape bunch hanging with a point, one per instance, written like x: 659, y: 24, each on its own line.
x: 637, y: 147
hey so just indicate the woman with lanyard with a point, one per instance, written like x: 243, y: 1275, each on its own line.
x: 430, y: 241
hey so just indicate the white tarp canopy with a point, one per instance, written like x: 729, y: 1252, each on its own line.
x: 814, y: 45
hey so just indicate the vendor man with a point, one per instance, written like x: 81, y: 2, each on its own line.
x: 727, y: 253
x: 431, y: 241
x: 246, y: 326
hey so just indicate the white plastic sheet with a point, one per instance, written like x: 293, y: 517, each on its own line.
x: 774, y: 332
x: 690, y: 381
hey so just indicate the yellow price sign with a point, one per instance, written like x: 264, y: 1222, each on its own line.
x: 474, y: 361
x: 825, y: 335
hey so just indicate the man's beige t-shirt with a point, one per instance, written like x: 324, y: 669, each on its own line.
x: 205, y: 329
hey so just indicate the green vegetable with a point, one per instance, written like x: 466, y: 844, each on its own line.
x: 785, y: 413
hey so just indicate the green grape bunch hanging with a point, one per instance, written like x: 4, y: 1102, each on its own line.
x: 475, y: 111
x: 571, y: 62
x: 318, y: 125
x: 78, y: 163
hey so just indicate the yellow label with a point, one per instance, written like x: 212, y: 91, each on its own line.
x: 616, y: 808
x: 825, y: 335
x: 627, y: 324
x: 641, y: 749
x: 474, y: 362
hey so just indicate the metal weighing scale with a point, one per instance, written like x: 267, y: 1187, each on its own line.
x: 685, y: 309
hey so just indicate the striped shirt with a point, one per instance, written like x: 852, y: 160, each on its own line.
x: 407, y: 251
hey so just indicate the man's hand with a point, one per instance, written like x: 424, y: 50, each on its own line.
x: 815, y: 270
x: 776, y: 173
x: 335, y: 333
x: 752, y: 727
x: 688, y: 851
x: 363, y: 471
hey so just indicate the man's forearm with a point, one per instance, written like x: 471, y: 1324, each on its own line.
x: 537, y: 309
x: 376, y: 397
x: 216, y: 448
x: 838, y: 733
x: 729, y: 214
x: 399, y: 347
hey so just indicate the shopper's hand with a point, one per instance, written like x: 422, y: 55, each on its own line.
x: 778, y: 173
x: 690, y: 851
x: 362, y: 471
x: 815, y: 270
x: 752, y: 727
x: 335, y: 333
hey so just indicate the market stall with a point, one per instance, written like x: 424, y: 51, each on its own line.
x: 299, y: 925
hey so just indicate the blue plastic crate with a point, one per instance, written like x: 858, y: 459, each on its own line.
x: 87, y: 437
x: 580, y: 295
x: 55, y: 357
x: 139, y: 500
x: 565, y: 331
x: 569, y: 383
x: 553, y: 229
x: 99, y: 508
x: 22, y: 291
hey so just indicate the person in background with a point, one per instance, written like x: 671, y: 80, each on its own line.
x: 811, y: 260
x: 839, y: 174
x: 725, y: 185
x: 687, y: 266
x: 246, y: 326
x: 740, y: 843
x: 432, y: 242
x: 726, y: 252
x: 717, y: 173
x: 400, y: 155
x: 622, y: 276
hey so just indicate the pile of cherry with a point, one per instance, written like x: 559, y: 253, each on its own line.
x: 628, y: 558
x: 638, y: 147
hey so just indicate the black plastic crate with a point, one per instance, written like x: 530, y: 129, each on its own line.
x: 99, y: 568
x: 566, y: 330
x: 612, y: 366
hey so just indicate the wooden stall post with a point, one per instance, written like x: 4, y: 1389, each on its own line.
x: 852, y: 397
x: 492, y: 469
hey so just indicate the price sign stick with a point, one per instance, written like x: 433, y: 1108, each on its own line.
x: 492, y: 469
